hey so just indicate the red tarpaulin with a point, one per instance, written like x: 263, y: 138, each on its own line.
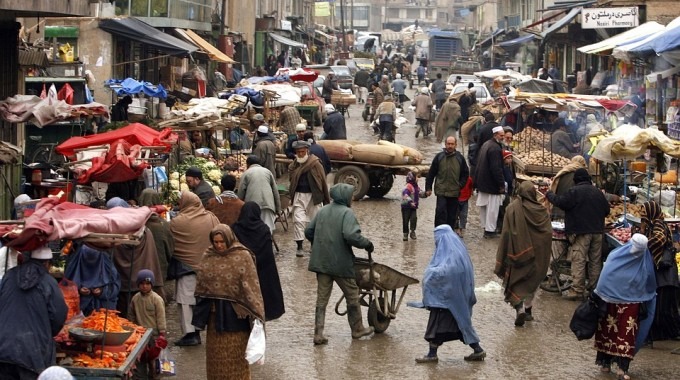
x: 304, y: 75
x: 135, y: 134
x: 120, y: 164
x: 613, y: 105
x: 53, y: 220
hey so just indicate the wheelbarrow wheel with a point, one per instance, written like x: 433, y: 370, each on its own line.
x: 379, y: 322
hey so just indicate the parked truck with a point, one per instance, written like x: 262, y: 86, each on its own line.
x: 443, y: 47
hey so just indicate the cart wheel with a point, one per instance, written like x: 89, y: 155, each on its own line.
x: 550, y: 283
x: 354, y: 176
x: 380, y: 186
x: 379, y: 322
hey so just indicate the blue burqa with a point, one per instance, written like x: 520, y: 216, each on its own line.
x: 628, y: 277
x: 93, y: 269
x: 449, y: 281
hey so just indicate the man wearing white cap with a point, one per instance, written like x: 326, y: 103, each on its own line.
x: 299, y: 134
x: 265, y: 148
x: 334, y: 126
x: 399, y: 86
x: 490, y: 182
x: 32, y: 312
x: 423, y: 105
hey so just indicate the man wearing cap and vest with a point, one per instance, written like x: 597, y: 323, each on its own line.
x: 300, y: 130
x: 308, y: 190
x: 265, y: 148
x: 334, y: 126
x: 198, y: 186
x: 490, y: 182
x: 32, y: 312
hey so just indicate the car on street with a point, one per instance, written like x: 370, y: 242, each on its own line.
x: 483, y: 94
x: 365, y: 63
x: 344, y: 76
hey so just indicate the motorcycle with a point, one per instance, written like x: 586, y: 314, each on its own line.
x: 367, y: 114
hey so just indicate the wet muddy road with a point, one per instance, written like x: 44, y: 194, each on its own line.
x: 544, y: 349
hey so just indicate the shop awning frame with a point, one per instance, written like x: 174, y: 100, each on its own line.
x: 213, y: 53
x: 561, y: 22
x: 134, y: 29
x: 517, y: 41
x: 493, y: 36
x: 286, y: 41
x: 635, y: 34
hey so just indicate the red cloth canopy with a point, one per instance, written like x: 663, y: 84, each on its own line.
x: 135, y: 134
x: 118, y: 165
x: 614, y: 105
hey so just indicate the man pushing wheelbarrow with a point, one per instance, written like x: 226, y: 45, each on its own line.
x: 333, y: 232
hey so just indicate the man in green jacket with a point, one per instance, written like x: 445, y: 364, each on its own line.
x: 333, y: 232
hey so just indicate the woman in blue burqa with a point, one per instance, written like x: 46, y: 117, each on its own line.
x: 97, y: 278
x: 627, y: 285
x: 449, y: 294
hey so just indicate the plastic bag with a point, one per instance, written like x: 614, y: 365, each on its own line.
x: 165, y: 364
x: 256, y: 344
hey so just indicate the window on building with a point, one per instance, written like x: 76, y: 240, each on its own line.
x: 413, y: 13
x: 428, y: 14
x: 360, y: 13
x: 139, y: 8
x: 392, y: 13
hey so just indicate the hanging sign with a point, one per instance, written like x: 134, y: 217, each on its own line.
x: 322, y: 9
x: 603, y: 18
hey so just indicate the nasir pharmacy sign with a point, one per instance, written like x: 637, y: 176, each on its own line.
x: 596, y: 18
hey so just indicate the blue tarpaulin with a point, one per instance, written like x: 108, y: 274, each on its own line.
x: 517, y: 41
x: 131, y: 86
x: 668, y: 40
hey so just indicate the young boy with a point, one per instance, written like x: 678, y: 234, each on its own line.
x: 147, y: 309
x: 410, y: 198
x: 463, y: 198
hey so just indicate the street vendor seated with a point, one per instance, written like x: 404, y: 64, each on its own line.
x: 560, y: 142
x: 300, y: 130
x: 239, y: 139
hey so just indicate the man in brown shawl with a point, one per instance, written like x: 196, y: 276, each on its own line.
x: 189, y: 229
x: 524, y: 250
x: 308, y: 190
x: 226, y: 206
x: 563, y: 181
x: 447, y: 121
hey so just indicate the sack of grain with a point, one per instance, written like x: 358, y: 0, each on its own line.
x: 411, y: 155
x: 670, y: 176
x: 337, y: 149
x: 378, y: 154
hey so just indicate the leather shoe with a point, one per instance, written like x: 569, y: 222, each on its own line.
x: 475, y: 356
x: 190, y: 339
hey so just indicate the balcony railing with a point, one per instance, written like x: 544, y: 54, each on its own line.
x: 192, y: 10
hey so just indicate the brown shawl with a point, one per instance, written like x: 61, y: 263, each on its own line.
x: 524, y: 249
x: 188, y: 229
x: 446, y: 118
x: 130, y: 259
x: 576, y: 163
x: 656, y: 230
x: 317, y: 179
x: 230, y: 275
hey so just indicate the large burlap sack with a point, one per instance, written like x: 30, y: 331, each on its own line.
x: 337, y: 149
x: 411, y: 155
x: 378, y: 154
x: 468, y: 128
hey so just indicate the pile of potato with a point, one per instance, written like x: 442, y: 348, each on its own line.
x: 536, y: 179
x: 541, y: 157
x: 531, y: 139
x: 617, y: 210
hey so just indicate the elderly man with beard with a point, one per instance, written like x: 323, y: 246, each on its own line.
x: 308, y: 189
x: 490, y: 182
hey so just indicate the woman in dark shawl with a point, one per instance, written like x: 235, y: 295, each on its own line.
x: 252, y: 232
x: 160, y: 228
x: 228, y: 300
x: 523, y: 253
x: 666, y: 319
x: 97, y: 278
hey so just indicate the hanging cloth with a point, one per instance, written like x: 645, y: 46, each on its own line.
x: 66, y: 93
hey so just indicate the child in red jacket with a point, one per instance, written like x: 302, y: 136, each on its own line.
x: 463, y: 197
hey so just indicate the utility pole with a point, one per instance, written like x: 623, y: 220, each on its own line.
x: 223, y: 16
x: 351, y: 19
x: 342, y: 25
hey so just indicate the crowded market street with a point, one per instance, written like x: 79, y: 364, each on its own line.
x: 543, y: 349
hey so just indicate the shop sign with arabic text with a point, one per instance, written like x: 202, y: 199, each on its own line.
x: 596, y: 18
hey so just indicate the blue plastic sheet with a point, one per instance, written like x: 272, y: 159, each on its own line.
x: 131, y: 86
